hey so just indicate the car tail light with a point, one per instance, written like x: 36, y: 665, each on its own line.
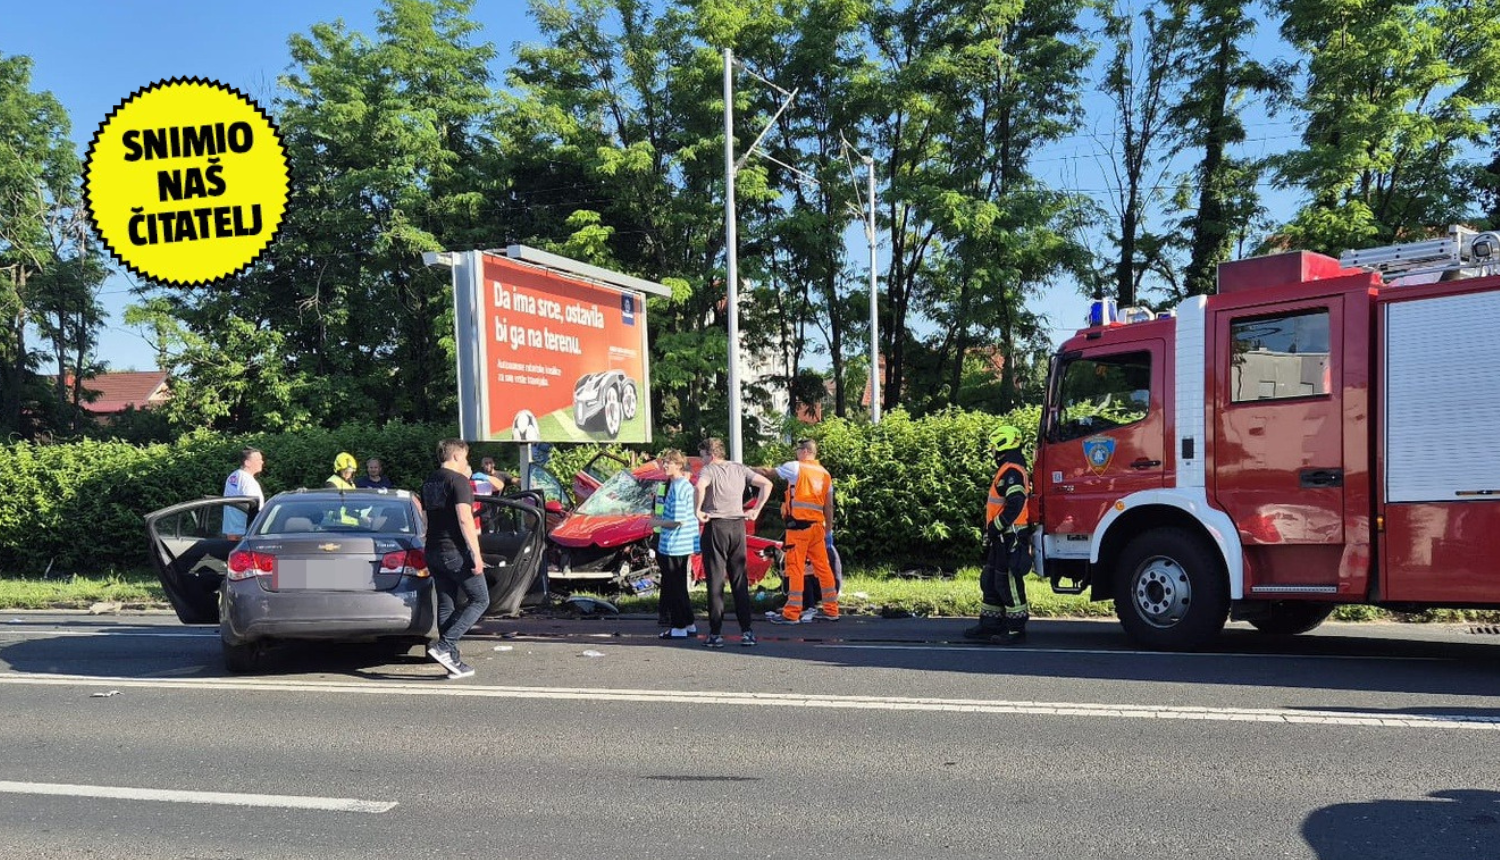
x: 244, y: 564
x: 409, y: 562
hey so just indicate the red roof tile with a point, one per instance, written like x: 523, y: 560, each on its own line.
x: 119, y: 390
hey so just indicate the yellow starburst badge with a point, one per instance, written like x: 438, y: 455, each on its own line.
x: 186, y: 181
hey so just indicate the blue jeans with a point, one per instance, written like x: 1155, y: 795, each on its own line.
x: 452, y: 575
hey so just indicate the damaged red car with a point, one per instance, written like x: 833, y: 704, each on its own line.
x: 606, y: 541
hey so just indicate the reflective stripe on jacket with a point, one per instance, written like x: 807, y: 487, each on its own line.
x: 996, y: 502
x: 807, y: 496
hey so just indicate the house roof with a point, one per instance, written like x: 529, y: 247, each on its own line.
x: 140, y: 389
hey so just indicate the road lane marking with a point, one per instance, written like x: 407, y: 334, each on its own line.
x: 1288, y: 716
x: 164, y: 634
x: 43, y: 632
x: 220, y: 798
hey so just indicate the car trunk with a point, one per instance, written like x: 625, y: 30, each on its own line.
x: 328, y: 562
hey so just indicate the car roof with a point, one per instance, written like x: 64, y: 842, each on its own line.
x: 331, y: 493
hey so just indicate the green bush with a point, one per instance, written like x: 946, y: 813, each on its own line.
x: 79, y: 506
x: 909, y: 490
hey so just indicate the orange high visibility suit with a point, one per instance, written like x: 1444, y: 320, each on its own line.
x: 808, y: 511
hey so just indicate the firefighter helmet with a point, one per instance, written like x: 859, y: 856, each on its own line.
x: 344, y: 461
x: 1005, y: 437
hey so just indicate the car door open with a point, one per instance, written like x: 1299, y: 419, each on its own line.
x: 512, y: 539
x: 190, y: 553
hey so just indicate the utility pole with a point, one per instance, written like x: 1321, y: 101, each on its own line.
x: 731, y: 242
x: 732, y: 251
x: 874, y: 304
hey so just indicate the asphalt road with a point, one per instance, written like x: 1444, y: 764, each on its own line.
x: 123, y: 737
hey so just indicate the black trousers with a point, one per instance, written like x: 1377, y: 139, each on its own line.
x: 1003, y: 581
x: 674, y: 588
x: 724, y: 555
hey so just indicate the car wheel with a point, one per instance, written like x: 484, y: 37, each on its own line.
x: 612, y: 411
x: 1291, y: 618
x: 1171, y: 593
x: 244, y: 658
x: 629, y: 403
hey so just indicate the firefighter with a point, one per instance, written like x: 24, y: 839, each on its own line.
x: 1007, y: 540
x: 344, y: 467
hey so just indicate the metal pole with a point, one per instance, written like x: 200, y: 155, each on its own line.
x: 731, y: 243
x: 874, y: 304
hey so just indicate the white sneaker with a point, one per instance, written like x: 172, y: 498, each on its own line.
x: 809, y: 614
x: 442, y: 655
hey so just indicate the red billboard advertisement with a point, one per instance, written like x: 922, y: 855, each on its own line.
x: 562, y: 359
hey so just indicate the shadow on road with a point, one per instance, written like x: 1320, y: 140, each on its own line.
x: 1460, y: 823
x: 1339, y: 658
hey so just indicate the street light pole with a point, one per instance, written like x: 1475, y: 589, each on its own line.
x: 731, y: 243
x: 874, y: 304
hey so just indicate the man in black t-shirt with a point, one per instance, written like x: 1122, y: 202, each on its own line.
x: 453, y: 553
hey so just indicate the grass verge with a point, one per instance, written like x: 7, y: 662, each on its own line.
x: 879, y: 591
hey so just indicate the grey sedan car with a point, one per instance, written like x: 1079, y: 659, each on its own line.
x: 326, y: 564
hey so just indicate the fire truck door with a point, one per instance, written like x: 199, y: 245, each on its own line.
x: 1106, y: 438
x: 1278, y: 453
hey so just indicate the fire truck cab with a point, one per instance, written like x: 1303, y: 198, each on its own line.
x: 1311, y: 435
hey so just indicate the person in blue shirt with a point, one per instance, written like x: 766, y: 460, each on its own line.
x: 679, y: 543
x: 374, y: 477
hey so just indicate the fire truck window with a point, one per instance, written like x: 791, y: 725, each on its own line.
x: 1102, y: 393
x: 1277, y: 358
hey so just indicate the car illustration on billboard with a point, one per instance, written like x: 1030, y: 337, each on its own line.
x: 608, y: 398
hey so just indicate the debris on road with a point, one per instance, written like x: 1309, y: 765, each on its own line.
x: 592, y: 653
x: 104, y: 695
x: 505, y: 647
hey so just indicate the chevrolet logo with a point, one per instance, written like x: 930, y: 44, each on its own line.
x: 330, y: 547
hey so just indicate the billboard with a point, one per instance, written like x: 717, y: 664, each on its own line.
x: 547, y: 355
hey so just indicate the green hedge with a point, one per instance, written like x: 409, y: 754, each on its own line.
x: 77, y: 507
x: 910, y: 490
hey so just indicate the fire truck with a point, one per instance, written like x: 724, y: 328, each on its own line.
x: 1319, y: 432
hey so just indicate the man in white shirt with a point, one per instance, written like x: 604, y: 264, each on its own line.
x: 241, y: 482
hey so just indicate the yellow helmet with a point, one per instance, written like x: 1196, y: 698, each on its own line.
x: 1005, y: 437
x: 344, y: 461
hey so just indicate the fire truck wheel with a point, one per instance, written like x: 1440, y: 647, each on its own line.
x: 1287, y: 618
x: 1171, y: 593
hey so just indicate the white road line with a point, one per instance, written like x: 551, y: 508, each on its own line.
x: 280, y: 801
x: 792, y: 700
x: 986, y: 649
x: 39, y: 633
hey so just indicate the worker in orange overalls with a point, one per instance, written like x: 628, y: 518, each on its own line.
x: 808, y: 511
x: 1007, y: 539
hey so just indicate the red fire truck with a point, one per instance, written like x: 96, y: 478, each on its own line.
x: 1319, y: 432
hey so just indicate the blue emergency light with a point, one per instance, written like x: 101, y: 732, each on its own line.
x: 1103, y: 312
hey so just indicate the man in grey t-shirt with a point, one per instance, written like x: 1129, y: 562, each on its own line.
x: 721, y: 509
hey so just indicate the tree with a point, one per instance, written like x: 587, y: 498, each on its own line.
x: 1142, y: 78
x: 39, y: 172
x: 389, y: 157
x: 1393, y: 98
x: 1220, y: 75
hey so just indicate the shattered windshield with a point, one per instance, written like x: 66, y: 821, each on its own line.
x: 623, y: 494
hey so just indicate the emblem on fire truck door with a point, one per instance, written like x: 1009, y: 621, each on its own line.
x: 1099, y: 451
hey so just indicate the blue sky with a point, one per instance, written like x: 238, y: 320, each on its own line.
x: 93, y: 53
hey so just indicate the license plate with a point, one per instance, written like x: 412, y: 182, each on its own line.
x: 324, y: 575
